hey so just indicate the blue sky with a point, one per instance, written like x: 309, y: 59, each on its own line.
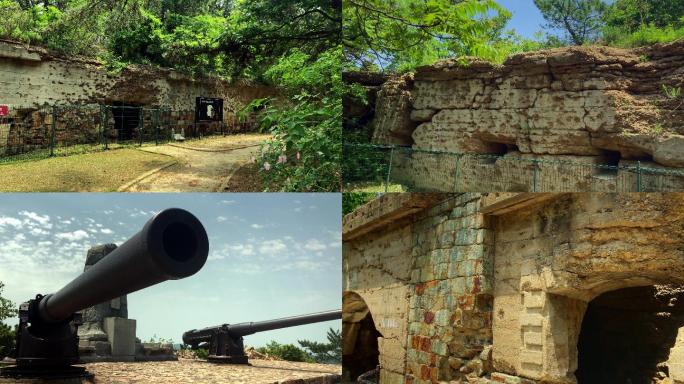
x: 526, y: 20
x: 271, y: 255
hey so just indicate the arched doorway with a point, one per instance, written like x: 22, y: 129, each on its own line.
x: 360, y: 353
x: 627, y: 334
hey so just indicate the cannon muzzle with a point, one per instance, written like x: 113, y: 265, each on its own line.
x: 172, y: 245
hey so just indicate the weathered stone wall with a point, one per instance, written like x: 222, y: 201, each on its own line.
x: 378, y: 268
x: 553, y: 258
x: 581, y: 104
x: 31, y: 77
x: 426, y: 283
x: 499, y: 283
x: 32, y: 80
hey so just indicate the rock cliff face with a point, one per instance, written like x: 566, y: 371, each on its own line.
x: 580, y: 101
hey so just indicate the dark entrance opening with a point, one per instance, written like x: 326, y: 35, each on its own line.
x: 609, y: 162
x: 627, y: 334
x: 360, y: 353
x: 126, y: 120
x: 491, y: 151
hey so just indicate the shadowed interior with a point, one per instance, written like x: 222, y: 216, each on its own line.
x: 179, y: 242
x: 627, y: 334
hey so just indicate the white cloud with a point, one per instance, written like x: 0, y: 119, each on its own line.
x: 314, y: 245
x: 106, y: 231
x: 215, y: 256
x: 10, y: 221
x: 234, y: 252
x: 256, y: 226
x: 306, y: 265
x: 73, y: 236
x: 38, y: 232
x: 228, y: 202
x: 42, y: 220
x: 221, y: 219
x: 243, y: 249
x: 272, y: 247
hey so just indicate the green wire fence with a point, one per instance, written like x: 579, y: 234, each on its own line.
x: 388, y: 167
x: 61, y: 130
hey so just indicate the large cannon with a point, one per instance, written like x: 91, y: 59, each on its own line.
x: 172, y: 245
x: 225, y: 341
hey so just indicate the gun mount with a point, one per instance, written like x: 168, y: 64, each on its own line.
x: 225, y: 341
x: 172, y: 245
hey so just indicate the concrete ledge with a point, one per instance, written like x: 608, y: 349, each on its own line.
x: 504, y: 202
x: 386, y: 209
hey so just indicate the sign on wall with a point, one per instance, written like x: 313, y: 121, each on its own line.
x: 208, y: 109
x: 4, y: 110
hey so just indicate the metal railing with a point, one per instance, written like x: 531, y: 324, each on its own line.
x: 383, y: 167
x: 61, y: 130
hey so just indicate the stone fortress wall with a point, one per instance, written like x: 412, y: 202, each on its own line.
x: 33, y: 79
x: 519, y: 288
x: 586, y: 105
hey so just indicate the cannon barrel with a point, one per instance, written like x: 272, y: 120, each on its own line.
x: 172, y: 245
x: 204, y: 335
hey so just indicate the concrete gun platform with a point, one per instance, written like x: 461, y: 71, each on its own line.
x: 198, y: 371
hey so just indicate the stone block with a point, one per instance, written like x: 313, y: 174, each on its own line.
x: 121, y: 335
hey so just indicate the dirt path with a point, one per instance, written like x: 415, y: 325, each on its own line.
x: 202, y: 166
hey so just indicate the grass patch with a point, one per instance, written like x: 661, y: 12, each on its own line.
x: 102, y: 171
x: 368, y: 187
x: 644, y: 36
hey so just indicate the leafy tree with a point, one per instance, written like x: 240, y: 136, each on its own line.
x: 630, y: 15
x: 399, y: 35
x: 7, y: 334
x: 327, y: 353
x: 581, y: 20
x: 632, y: 23
x: 289, y: 352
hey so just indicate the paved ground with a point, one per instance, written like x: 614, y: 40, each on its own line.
x: 195, y: 372
x: 203, y: 166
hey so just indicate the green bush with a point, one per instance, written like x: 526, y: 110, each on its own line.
x: 287, y: 352
x: 202, y: 353
x: 306, y: 150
